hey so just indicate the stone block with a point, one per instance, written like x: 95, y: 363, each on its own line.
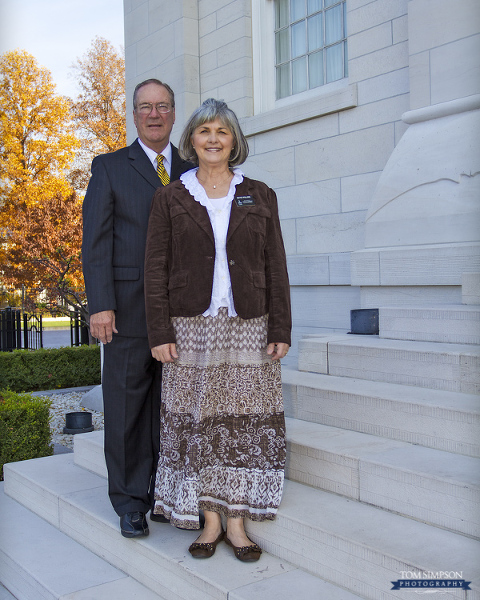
x: 232, y: 12
x: 221, y: 36
x: 471, y: 288
x: 326, y: 307
x: 373, y: 114
x: 400, y: 29
x: 289, y: 234
x: 440, y: 265
x: 309, y: 199
x: 136, y: 25
x: 384, y: 86
x: 357, y: 191
x: 370, y: 40
x: 308, y: 269
x: 292, y: 585
x: 451, y: 324
x: 371, y: 14
x: 339, y: 267
x: 162, y: 13
x: 342, y: 232
x: 307, y: 131
x: 378, y: 63
x: 208, y: 62
x: 354, y: 153
x: 274, y: 168
x: 50, y: 565
x: 451, y: 367
x: 434, y: 23
x: 445, y: 421
x: 420, y: 83
x: 455, y: 70
x: 373, y: 297
x: 89, y: 453
x: 313, y: 355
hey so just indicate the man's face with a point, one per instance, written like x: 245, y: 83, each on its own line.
x: 153, y: 127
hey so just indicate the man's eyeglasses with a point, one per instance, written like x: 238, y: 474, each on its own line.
x: 146, y: 108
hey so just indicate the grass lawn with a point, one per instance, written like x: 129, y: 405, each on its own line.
x: 55, y: 322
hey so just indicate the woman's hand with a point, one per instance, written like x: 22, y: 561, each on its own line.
x: 277, y: 351
x: 166, y: 353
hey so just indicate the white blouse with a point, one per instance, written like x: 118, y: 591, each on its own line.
x: 219, y: 212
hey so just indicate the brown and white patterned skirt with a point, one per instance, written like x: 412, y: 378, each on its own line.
x: 222, y: 433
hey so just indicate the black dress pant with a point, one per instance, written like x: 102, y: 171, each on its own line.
x: 131, y: 382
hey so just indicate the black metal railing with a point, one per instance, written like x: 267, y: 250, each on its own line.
x: 14, y: 329
x: 78, y: 329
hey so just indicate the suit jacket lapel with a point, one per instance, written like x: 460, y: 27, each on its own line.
x: 139, y: 161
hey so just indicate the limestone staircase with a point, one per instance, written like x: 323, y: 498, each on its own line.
x: 382, y: 481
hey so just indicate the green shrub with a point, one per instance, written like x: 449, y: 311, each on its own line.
x: 24, y: 428
x: 49, y: 368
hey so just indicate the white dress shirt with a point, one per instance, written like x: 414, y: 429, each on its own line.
x: 219, y: 212
x: 152, y: 156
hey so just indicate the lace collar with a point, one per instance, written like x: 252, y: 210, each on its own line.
x: 191, y: 183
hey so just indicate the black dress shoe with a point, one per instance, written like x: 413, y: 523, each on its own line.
x: 134, y: 524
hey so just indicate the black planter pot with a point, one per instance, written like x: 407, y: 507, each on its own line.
x: 78, y: 422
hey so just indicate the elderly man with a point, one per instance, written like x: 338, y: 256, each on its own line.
x: 115, y: 218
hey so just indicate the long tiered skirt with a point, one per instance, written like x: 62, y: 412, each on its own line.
x: 222, y: 432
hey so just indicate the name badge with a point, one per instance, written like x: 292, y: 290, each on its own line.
x: 244, y: 201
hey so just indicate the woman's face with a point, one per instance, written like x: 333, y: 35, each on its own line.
x: 213, y: 142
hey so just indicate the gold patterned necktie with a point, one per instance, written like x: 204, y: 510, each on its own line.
x: 162, y: 172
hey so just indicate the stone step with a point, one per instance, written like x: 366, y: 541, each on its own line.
x: 75, y: 501
x: 453, y: 324
x: 38, y: 561
x: 448, y: 421
x: 357, y: 547
x: 438, y: 366
x: 432, y: 486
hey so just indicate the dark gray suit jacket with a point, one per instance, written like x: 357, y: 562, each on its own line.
x: 115, y: 220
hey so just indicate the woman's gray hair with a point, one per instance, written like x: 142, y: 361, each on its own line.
x: 210, y: 110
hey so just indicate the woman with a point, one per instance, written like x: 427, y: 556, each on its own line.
x: 218, y: 315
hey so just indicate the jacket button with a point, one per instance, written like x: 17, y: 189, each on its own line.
x: 231, y: 262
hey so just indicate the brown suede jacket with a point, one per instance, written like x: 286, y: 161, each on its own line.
x: 180, y: 257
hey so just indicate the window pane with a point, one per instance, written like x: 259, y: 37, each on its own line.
x: 299, y: 39
x: 330, y: 3
x: 334, y: 24
x: 297, y: 10
x: 282, y: 46
x: 334, y: 62
x: 313, y: 6
x: 315, y: 69
x: 299, y: 75
x: 283, y: 81
x: 281, y: 13
x: 315, y: 32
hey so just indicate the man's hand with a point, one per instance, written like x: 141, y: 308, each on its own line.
x: 102, y: 325
x: 165, y: 353
x: 277, y: 351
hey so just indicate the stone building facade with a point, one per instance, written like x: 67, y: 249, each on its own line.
x: 376, y: 168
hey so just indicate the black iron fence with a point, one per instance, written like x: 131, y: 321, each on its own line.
x: 20, y: 331
x: 25, y: 331
x: 78, y: 329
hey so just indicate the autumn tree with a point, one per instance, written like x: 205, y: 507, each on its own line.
x: 37, y: 142
x: 44, y: 253
x: 99, y: 110
x: 39, y: 216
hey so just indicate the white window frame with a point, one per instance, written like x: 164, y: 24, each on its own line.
x: 270, y: 113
